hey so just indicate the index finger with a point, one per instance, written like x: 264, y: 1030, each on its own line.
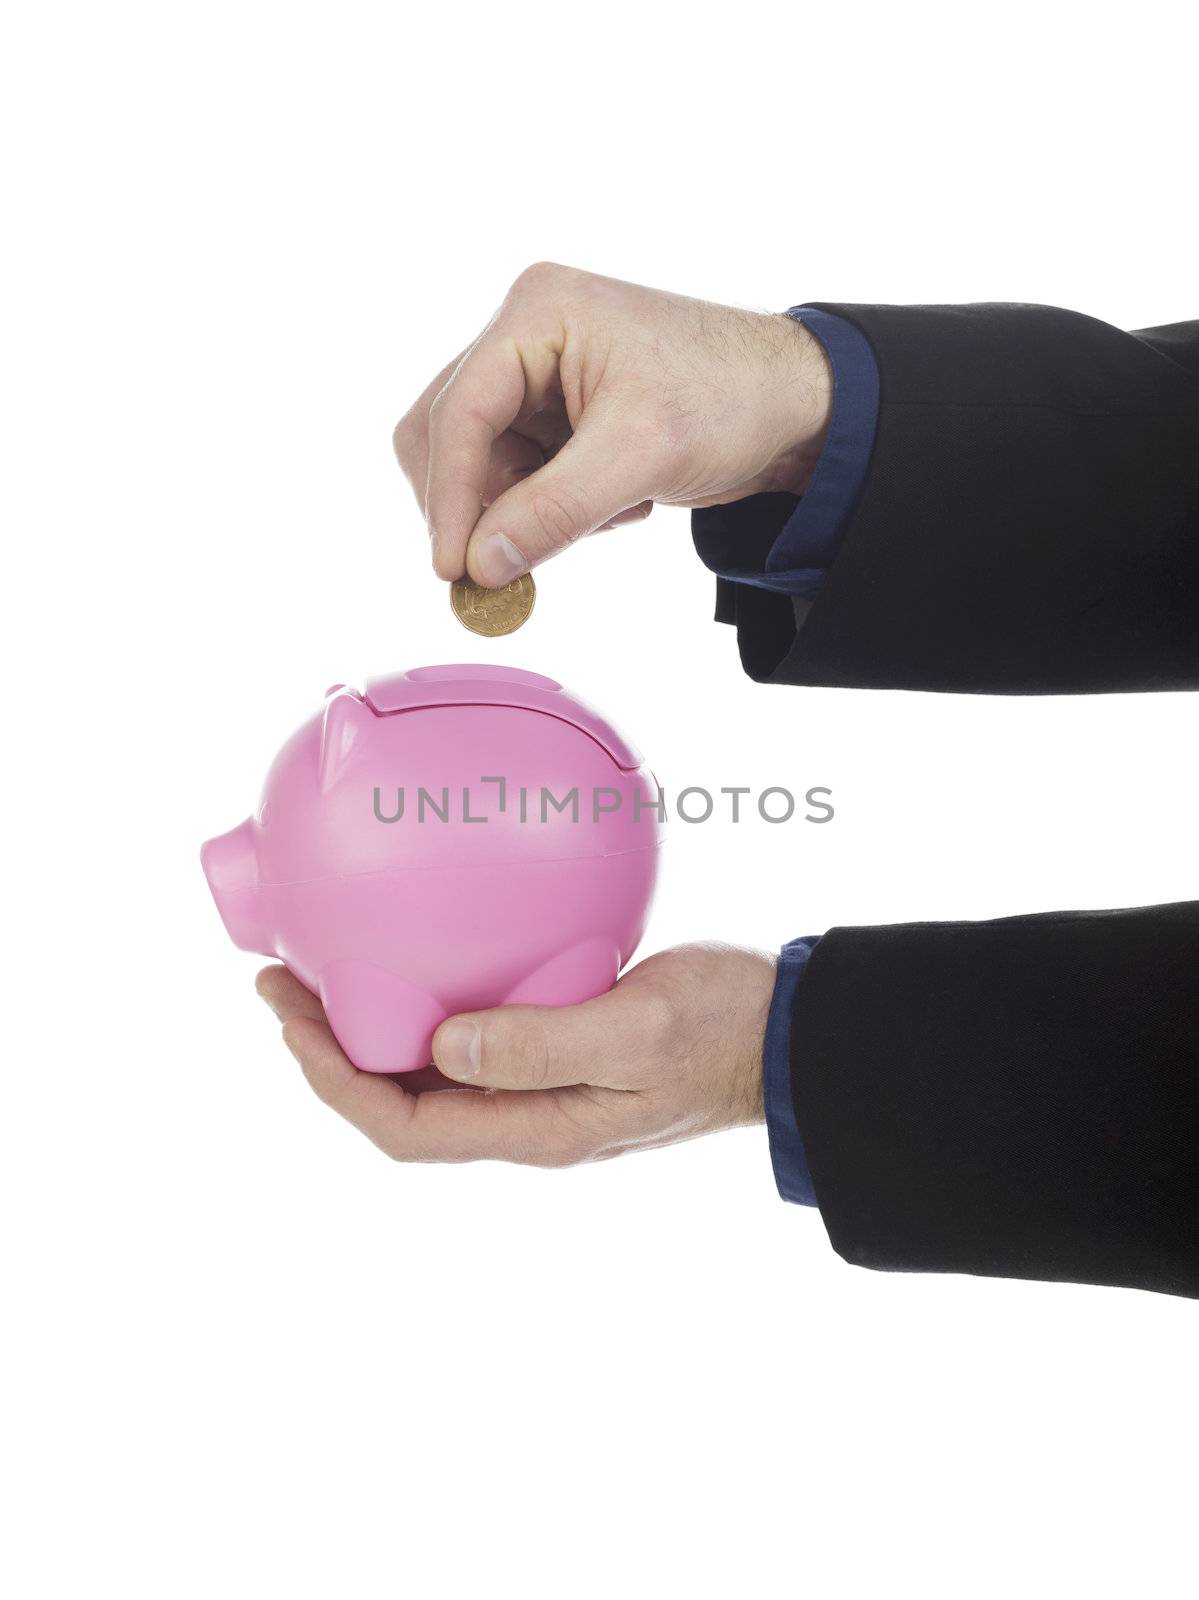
x: 483, y: 397
x: 410, y: 436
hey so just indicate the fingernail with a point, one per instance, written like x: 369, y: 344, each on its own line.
x: 460, y: 1048
x: 498, y: 561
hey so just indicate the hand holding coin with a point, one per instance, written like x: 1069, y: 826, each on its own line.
x: 586, y: 400
x: 493, y: 612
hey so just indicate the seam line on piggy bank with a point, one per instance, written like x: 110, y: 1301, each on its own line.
x: 468, y: 685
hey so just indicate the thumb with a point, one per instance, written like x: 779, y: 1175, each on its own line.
x: 539, y: 1047
x: 600, y: 472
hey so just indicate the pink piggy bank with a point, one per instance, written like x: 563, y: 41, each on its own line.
x: 453, y: 838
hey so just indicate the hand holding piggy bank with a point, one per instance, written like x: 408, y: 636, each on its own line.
x: 454, y: 838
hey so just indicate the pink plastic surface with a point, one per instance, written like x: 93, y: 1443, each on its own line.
x: 399, y: 924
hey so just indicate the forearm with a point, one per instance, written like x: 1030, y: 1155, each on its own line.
x: 1028, y: 523
x: 1017, y: 1098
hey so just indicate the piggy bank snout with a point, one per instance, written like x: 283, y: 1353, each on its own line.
x: 230, y: 864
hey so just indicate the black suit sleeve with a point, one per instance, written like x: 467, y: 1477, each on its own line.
x: 1016, y: 1098
x: 1029, y: 522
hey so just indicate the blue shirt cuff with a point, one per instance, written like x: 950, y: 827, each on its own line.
x: 787, y: 1153
x: 796, y: 559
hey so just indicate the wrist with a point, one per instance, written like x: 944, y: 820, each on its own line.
x: 805, y: 406
x: 756, y: 984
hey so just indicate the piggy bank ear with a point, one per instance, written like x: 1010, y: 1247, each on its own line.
x: 346, y: 720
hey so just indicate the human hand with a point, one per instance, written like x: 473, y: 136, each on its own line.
x: 585, y: 400
x: 673, y: 1051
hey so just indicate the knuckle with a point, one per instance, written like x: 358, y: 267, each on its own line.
x: 520, y: 1150
x: 518, y: 1056
x: 557, y: 1161
x: 536, y: 1073
x: 542, y: 1060
x: 539, y: 275
x: 659, y: 1021
x: 558, y: 518
x: 404, y: 436
x: 437, y: 406
x: 570, y: 1151
x: 579, y: 1136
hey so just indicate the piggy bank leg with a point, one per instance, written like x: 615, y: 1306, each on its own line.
x: 571, y: 976
x: 382, y: 1023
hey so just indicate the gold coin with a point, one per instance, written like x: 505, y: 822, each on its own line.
x: 493, y: 612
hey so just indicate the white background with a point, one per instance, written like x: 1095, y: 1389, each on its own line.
x: 246, y: 1355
